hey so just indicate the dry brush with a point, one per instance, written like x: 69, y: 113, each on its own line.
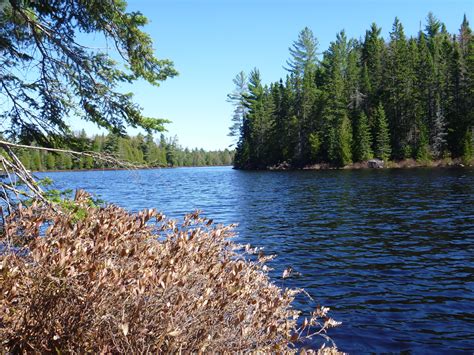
x: 114, y: 281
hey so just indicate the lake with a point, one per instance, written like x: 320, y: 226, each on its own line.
x: 390, y: 251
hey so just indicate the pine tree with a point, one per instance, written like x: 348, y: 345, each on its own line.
x: 362, y: 139
x: 36, y: 163
x: 50, y: 162
x: 237, y: 99
x: 344, y: 142
x: 372, y: 57
x: 352, y: 80
x: 73, y: 78
x: 459, y: 112
x: 382, y: 149
x: 336, y: 125
x: 302, y: 66
x: 422, y: 147
x: 303, y: 53
x: 415, y: 115
x: 466, y: 40
x: 111, y: 145
x: 67, y: 162
x: 25, y: 158
x: 396, y: 91
x: 429, y: 93
x: 406, y: 98
x: 259, y: 119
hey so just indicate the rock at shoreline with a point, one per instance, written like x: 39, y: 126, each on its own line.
x: 281, y: 166
x: 375, y: 163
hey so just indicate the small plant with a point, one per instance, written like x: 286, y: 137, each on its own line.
x: 113, y: 281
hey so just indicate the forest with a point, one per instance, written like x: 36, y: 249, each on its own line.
x: 141, y: 150
x: 395, y: 99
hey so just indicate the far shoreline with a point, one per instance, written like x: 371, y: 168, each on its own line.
x: 399, y: 164
x: 131, y: 169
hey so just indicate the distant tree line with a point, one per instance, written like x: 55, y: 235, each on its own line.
x: 141, y: 149
x: 397, y: 99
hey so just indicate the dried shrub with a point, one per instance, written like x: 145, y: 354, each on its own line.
x: 113, y: 281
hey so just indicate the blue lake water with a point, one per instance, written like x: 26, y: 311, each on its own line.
x: 390, y: 251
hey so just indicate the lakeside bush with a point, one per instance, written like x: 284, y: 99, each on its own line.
x: 91, y: 279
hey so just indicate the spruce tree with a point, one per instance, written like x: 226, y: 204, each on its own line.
x: 336, y: 125
x: 422, y: 147
x: 362, y: 139
x: 344, y: 151
x: 302, y: 66
x: 372, y: 59
x: 397, y: 91
x: 260, y: 107
x: 382, y: 149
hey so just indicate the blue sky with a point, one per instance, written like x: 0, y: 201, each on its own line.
x: 210, y: 41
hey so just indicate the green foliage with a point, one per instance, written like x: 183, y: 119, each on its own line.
x: 303, y: 53
x: 362, y: 139
x: 237, y: 98
x: 468, y: 147
x: 315, y: 145
x: 382, y: 148
x: 256, y: 124
x: 344, y: 141
x: 139, y: 150
x: 67, y: 78
x: 422, y: 149
x: 396, y: 99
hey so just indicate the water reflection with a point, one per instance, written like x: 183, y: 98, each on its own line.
x: 389, y: 250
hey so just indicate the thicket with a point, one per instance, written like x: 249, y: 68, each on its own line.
x: 139, y: 150
x: 84, y: 278
x: 401, y: 98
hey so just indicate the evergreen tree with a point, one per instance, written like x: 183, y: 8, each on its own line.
x: 260, y: 110
x: 111, y: 145
x: 50, y: 163
x: 397, y: 91
x: 302, y: 66
x: 362, y: 139
x: 25, y: 158
x: 422, y: 148
x: 66, y: 162
x: 336, y: 124
x: 36, y: 163
x: 73, y: 78
x: 237, y: 99
x: 382, y: 148
x: 466, y: 43
x: 344, y: 142
x: 403, y: 98
x: 303, y: 53
x: 372, y: 57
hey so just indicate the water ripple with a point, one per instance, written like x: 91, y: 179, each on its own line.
x: 390, y: 251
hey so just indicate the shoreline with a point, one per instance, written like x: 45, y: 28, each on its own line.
x: 400, y: 164
x: 112, y: 169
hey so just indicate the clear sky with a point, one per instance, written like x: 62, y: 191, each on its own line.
x: 210, y: 41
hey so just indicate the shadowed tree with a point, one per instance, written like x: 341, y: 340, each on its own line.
x: 382, y: 148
